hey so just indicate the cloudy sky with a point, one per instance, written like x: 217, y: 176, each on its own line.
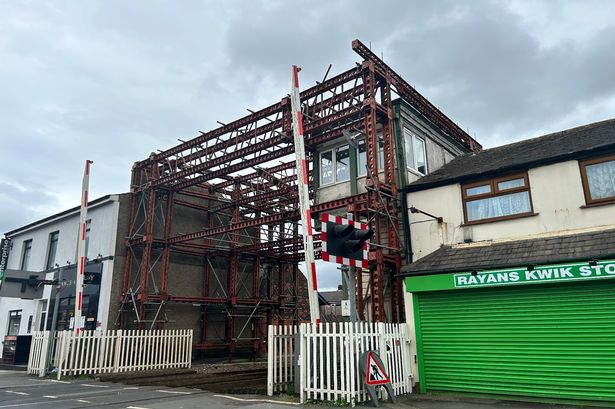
x: 112, y: 81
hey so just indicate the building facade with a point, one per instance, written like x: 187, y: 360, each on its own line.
x: 419, y: 148
x: 512, y: 287
x: 49, y: 245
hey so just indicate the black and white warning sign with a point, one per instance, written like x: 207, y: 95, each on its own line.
x: 374, y: 372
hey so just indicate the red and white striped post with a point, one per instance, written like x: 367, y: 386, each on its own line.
x: 304, y: 197
x: 81, y: 247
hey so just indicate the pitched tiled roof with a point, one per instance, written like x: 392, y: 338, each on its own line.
x: 548, y: 250
x: 565, y: 145
x: 332, y: 297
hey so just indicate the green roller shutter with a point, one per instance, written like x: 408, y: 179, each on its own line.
x: 553, y: 341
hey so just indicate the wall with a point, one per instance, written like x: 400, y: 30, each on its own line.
x: 558, y: 206
x: 103, y: 226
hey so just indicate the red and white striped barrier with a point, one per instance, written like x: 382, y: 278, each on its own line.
x: 81, y: 247
x: 304, y: 196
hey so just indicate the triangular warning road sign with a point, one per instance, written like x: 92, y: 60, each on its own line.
x: 375, y: 374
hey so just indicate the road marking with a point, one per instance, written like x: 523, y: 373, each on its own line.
x: 258, y: 400
x: 132, y: 387
x: 83, y: 401
x: 178, y: 392
x: 54, y: 380
x: 50, y: 396
x: 135, y: 407
x: 94, y: 386
x: 17, y: 393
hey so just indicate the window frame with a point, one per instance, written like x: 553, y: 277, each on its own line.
x: 585, y: 181
x: 13, y: 315
x: 333, y: 151
x: 26, y: 248
x: 495, y: 192
x: 409, y: 133
x: 88, y: 231
x: 51, y: 260
x: 380, y: 157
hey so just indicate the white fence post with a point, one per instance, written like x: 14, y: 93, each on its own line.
x: 302, y: 362
x: 270, y: 363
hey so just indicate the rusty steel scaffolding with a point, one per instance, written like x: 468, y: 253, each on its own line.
x: 233, y: 193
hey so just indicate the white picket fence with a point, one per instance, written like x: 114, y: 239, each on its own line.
x: 92, y: 352
x: 328, y: 357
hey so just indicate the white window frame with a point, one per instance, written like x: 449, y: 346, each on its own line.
x: 333, y: 151
x: 363, y: 172
x: 413, y: 136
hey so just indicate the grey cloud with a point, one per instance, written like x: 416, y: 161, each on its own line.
x: 19, y: 206
x: 112, y: 81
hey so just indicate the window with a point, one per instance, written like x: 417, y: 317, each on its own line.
x: 342, y: 163
x: 415, y: 152
x: 598, y: 177
x: 88, y: 224
x: 25, y: 255
x: 335, y: 165
x: 14, y: 322
x: 496, y: 199
x: 53, y: 247
x: 41, y: 326
x: 326, y: 168
x: 362, y: 158
x: 29, y: 330
x: 43, y: 317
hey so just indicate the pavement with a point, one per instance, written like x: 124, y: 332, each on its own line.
x: 17, y: 390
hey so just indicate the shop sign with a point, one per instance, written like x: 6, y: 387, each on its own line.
x: 562, y: 272
x: 5, y: 245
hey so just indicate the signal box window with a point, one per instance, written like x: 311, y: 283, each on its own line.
x: 415, y: 152
x: 335, y: 165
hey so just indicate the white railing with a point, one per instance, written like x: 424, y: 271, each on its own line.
x: 91, y: 352
x: 328, y: 357
x: 280, y: 358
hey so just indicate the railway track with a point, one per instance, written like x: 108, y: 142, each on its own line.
x: 235, y: 381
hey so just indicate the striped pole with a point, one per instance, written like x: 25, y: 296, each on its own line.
x: 304, y: 197
x: 81, y: 247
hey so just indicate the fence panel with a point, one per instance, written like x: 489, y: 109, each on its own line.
x: 328, y: 357
x: 91, y: 352
x: 280, y: 358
